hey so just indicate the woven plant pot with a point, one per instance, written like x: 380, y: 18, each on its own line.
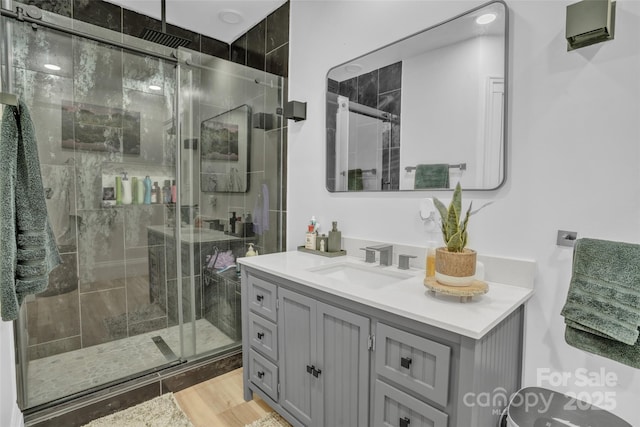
x: 455, y: 268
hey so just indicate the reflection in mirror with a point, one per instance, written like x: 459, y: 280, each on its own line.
x: 224, y: 154
x: 425, y: 112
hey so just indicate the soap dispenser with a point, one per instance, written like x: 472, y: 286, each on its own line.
x: 431, y: 259
x: 251, y: 251
x: 335, y: 238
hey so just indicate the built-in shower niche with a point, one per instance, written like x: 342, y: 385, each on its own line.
x: 113, y: 175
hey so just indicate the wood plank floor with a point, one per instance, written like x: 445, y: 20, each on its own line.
x: 218, y: 402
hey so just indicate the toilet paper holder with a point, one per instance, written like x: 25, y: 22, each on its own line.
x: 566, y: 238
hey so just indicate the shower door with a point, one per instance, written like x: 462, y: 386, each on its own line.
x: 106, y: 121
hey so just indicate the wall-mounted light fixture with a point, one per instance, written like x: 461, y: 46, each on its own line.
x: 590, y: 22
x: 295, y: 110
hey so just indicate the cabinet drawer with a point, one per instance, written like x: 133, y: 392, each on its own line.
x: 394, y: 408
x: 264, y: 374
x: 263, y: 336
x: 414, y: 362
x: 263, y: 298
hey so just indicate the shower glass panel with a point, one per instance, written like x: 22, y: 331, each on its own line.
x: 101, y: 114
x: 231, y: 142
x: 143, y: 285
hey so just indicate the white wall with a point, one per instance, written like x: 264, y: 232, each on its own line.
x: 10, y: 415
x: 573, y: 154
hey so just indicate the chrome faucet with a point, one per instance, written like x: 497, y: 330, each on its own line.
x: 386, y: 253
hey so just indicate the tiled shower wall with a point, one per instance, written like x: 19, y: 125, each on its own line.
x: 264, y: 47
x: 108, y: 240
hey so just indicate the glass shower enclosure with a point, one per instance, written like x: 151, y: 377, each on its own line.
x: 143, y: 284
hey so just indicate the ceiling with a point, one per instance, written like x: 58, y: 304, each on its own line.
x: 203, y: 16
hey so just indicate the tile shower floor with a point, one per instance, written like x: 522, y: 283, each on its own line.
x: 57, y: 376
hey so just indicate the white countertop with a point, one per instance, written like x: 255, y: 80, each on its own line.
x: 193, y: 234
x: 408, y: 298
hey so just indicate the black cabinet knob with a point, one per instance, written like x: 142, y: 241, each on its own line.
x: 260, y: 374
x: 316, y: 372
x: 260, y: 335
x: 405, y: 362
x: 259, y: 297
x: 404, y: 422
x: 310, y: 369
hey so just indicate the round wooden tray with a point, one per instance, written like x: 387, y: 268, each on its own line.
x: 465, y: 293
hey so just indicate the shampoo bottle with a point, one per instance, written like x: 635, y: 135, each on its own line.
x: 166, y: 192
x: 147, y: 190
x: 174, y: 192
x: 140, y: 191
x: 134, y: 191
x: 126, y: 189
x: 156, y: 193
x: 118, y: 190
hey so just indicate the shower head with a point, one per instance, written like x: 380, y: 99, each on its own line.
x: 165, y: 39
x: 161, y: 37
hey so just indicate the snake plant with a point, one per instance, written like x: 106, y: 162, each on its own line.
x: 454, y: 227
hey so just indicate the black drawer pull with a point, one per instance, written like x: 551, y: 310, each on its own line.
x: 310, y: 369
x: 404, y: 422
x: 316, y: 372
x: 405, y: 362
x: 260, y: 335
x: 260, y: 374
x: 259, y: 297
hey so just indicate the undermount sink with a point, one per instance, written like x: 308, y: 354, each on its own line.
x: 356, y: 274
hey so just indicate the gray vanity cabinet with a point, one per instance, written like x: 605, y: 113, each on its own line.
x: 324, y: 362
x: 321, y: 360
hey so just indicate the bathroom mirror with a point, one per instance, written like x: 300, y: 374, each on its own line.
x: 224, y: 151
x: 425, y: 112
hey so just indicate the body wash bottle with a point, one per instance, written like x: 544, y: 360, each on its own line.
x: 126, y: 189
x: 147, y: 190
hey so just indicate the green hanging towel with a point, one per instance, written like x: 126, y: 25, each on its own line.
x: 602, y: 310
x: 355, y: 182
x: 28, y: 250
x: 431, y: 176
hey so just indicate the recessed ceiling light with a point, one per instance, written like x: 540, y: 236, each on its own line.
x: 353, y: 68
x: 229, y: 16
x: 52, y: 67
x: 486, y: 18
x: 155, y: 87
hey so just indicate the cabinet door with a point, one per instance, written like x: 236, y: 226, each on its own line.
x: 297, y: 350
x: 341, y: 391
